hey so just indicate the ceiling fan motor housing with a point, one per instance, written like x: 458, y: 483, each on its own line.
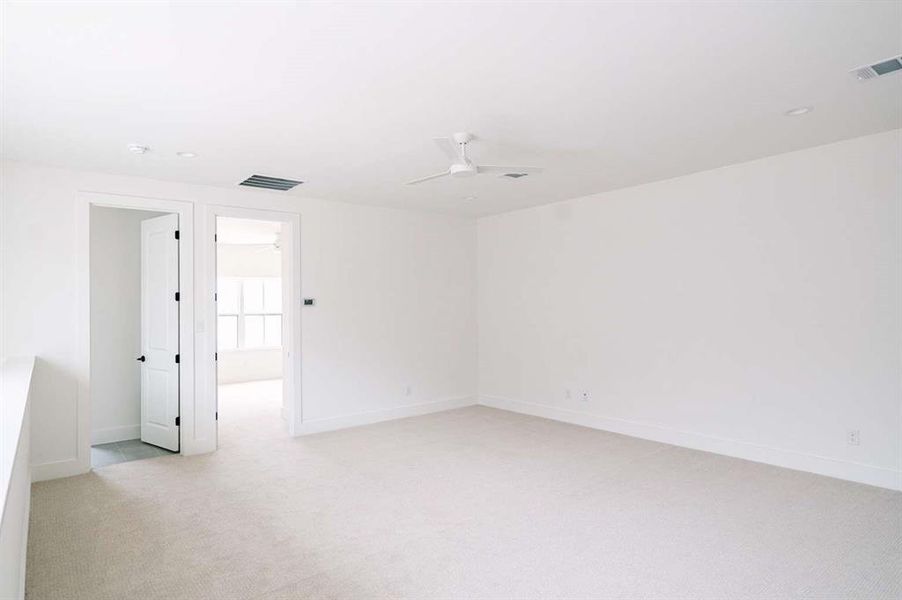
x: 462, y: 170
x: 462, y: 137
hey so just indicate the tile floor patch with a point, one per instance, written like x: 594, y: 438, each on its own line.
x: 103, y: 455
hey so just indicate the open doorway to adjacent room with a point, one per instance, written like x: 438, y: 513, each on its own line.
x: 250, y: 328
x: 134, y: 334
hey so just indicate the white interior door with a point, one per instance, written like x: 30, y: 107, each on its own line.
x: 160, y: 332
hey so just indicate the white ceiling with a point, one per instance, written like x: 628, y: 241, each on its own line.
x: 247, y: 231
x: 348, y: 96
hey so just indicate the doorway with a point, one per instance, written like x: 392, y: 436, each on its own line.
x: 134, y: 334
x: 250, y: 358
x: 288, y: 398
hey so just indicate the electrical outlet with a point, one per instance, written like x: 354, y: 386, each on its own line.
x: 853, y: 437
x: 567, y: 394
x: 584, y: 396
x: 407, y: 390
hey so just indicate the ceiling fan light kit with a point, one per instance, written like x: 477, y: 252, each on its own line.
x: 455, y: 148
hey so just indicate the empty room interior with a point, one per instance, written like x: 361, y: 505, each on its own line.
x: 446, y: 300
x: 249, y: 352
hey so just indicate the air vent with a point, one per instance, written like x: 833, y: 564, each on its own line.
x: 884, y: 67
x: 515, y: 175
x: 270, y: 183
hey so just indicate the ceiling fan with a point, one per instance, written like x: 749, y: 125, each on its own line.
x: 455, y: 148
x: 274, y: 246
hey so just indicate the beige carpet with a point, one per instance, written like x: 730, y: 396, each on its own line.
x: 471, y: 503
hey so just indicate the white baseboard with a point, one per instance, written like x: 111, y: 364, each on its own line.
x: 57, y: 469
x: 388, y: 414
x: 116, y: 434
x: 791, y: 459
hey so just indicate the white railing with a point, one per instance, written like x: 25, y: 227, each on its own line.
x: 15, y: 473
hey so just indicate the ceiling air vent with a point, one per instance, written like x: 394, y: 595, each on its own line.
x: 884, y: 67
x: 270, y: 183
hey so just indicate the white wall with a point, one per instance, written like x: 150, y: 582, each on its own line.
x: 15, y: 473
x: 116, y: 323
x: 395, y: 295
x: 256, y: 364
x: 248, y: 260
x: 753, y: 310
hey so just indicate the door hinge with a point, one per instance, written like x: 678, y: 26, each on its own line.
x: 215, y: 237
x: 215, y: 297
x: 217, y: 415
x: 216, y: 356
x: 176, y: 296
x: 178, y: 421
x: 176, y: 234
x: 176, y: 358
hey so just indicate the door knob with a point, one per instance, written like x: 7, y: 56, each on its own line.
x: 141, y: 358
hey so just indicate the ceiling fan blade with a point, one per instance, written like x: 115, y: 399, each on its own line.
x: 503, y: 169
x: 447, y: 146
x: 428, y: 177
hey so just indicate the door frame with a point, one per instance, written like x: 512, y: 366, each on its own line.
x: 185, y: 212
x: 291, y: 312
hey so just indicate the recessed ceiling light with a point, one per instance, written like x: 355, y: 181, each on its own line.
x: 186, y: 154
x: 515, y: 175
x: 470, y: 198
x: 138, y: 149
x: 802, y: 110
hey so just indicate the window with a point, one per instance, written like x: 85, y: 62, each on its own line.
x: 250, y: 313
